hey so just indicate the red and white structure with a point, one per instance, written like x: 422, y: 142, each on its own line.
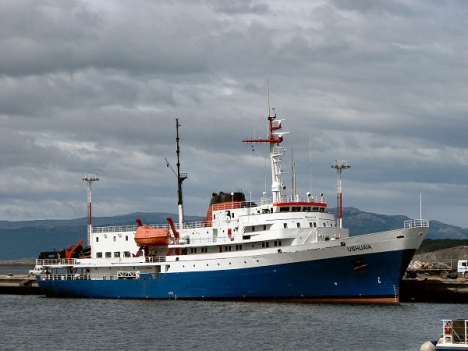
x: 90, y: 178
x: 339, y: 165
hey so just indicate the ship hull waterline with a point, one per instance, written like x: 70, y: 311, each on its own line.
x: 325, y: 280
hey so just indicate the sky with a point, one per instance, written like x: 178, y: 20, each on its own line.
x: 95, y: 87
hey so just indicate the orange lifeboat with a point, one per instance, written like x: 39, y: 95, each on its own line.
x: 147, y: 236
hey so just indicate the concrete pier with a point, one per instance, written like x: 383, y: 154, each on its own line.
x: 430, y: 289
x: 434, y: 289
x: 19, y: 284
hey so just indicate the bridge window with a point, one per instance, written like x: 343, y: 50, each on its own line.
x: 284, y: 209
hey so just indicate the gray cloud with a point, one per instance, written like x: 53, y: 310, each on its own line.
x: 96, y: 87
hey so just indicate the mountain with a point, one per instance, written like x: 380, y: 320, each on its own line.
x: 25, y: 239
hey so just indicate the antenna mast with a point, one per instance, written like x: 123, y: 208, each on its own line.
x: 180, y: 178
x: 339, y: 165
x: 90, y: 178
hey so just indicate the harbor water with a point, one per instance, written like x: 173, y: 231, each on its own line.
x: 38, y: 323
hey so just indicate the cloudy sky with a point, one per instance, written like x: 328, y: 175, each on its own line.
x: 96, y: 86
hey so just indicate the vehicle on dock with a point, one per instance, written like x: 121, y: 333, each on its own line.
x: 441, y: 269
x: 277, y: 248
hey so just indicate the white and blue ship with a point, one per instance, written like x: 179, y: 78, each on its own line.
x: 277, y: 248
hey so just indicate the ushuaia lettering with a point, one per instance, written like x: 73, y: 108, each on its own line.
x: 359, y: 247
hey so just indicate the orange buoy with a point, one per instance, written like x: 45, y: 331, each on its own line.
x: 147, y: 236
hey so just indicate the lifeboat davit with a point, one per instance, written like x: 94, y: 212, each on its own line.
x: 147, y: 236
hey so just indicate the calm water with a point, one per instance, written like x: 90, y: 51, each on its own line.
x: 39, y: 323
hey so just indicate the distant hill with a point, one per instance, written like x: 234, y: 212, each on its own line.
x: 25, y: 239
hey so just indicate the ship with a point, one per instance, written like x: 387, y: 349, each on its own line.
x: 281, y: 247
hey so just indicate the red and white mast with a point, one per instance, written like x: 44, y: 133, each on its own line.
x: 339, y: 165
x: 90, y: 178
x: 276, y: 153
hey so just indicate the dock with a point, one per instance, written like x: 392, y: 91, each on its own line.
x: 19, y: 284
x: 429, y: 289
x: 434, y: 289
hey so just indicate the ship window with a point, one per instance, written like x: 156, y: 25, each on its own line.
x: 193, y: 250
x: 239, y: 247
x: 232, y: 215
x: 116, y: 254
x: 253, y: 228
x: 108, y: 254
x: 126, y: 237
x: 284, y: 209
x: 97, y: 239
x: 264, y: 227
x: 322, y: 210
x: 285, y: 225
x: 307, y: 209
x: 315, y: 224
x: 114, y: 238
x: 298, y: 225
x: 98, y: 254
x: 265, y: 244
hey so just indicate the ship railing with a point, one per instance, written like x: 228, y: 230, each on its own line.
x: 297, y: 198
x: 124, y: 228
x: 56, y: 276
x: 56, y: 262
x: 151, y: 259
x: 416, y: 223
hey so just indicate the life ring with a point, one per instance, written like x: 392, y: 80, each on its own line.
x: 447, y: 328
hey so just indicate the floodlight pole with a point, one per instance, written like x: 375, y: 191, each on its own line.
x: 339, y: 165
x: 90, y: 178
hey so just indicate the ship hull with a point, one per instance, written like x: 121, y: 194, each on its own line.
x: 322, y: 280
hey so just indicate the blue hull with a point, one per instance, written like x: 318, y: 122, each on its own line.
x: 317, y: 280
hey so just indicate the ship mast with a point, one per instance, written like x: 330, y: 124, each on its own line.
x: 276, y: 153
x: 180, y: 178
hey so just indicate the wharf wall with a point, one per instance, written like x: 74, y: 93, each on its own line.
x: 19, y: 284
x: 432, y: 289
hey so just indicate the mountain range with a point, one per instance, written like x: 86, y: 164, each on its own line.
x: 25, y: 239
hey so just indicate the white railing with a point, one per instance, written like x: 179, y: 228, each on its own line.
x: 49, y: 276
x: 417, y: 223
x: 56, y: 261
